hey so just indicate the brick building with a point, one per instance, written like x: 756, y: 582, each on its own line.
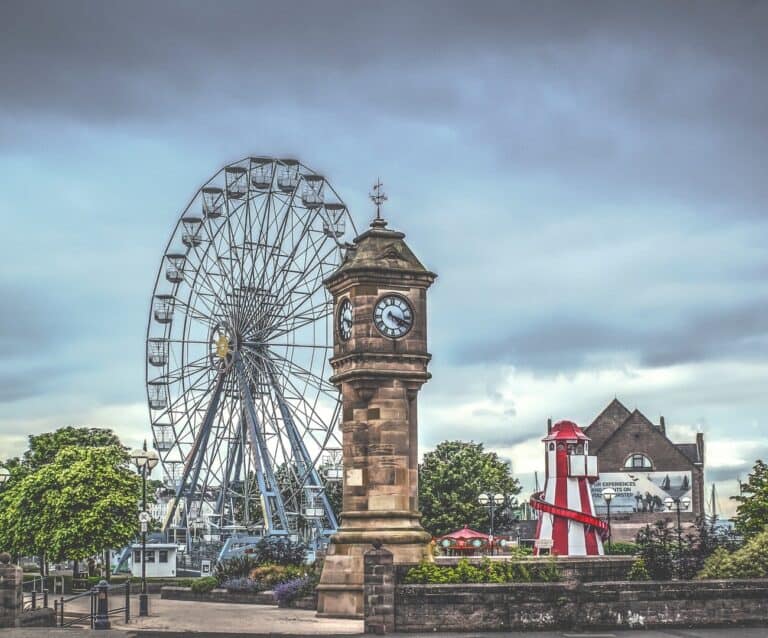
x: 638, y: 460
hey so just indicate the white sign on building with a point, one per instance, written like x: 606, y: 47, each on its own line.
x: 640, y: 491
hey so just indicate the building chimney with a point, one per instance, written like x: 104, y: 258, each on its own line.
x: 549, y: 425
x: 662, y: 426
x: 700, y: 446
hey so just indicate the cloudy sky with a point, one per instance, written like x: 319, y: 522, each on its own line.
x: 588, y: 179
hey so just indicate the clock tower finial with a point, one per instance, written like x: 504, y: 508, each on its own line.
x: 378, y: 197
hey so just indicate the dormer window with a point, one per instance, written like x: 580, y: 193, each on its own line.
x: 638, y: 462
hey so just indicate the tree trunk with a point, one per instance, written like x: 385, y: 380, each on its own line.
x: 75, y: 565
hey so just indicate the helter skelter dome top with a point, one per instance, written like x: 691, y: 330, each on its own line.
x: 566, y: 430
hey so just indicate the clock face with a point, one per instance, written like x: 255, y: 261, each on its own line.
x: 344, y: 320
x: 393, y: 316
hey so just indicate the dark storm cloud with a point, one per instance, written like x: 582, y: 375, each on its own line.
x: 567, y: 343
x: 612, y: 96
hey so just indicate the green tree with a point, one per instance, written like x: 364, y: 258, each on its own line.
x: 74, y: 506
x: 450, y: 480
x: 43, y: 448
x: 752, y: 515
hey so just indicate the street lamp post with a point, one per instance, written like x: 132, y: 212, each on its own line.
x: 678, y: 504
x: 145, y: 461
x: 493, y: 501
x: 608, y: 494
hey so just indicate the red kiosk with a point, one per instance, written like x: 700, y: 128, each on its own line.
x: 464, y: 541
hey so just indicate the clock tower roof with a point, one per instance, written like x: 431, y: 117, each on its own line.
x: 381, y: 250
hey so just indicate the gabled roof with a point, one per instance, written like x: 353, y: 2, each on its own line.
x: 606, y: 423
x: 653, y: 430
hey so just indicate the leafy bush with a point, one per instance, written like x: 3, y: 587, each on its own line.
x: 656, y: 550
x: 270, y: 575
x: 279, y: 551
x: 751, y: 561
x: 638, y: 571
x: 237, y: 567
x: 204, y: 585
x: 243, y: 584
x: 622, y: 549
x: 486, y: 572
x: 290, y: 590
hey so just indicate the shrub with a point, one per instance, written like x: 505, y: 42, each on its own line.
x: 751, y: 561
x: 622, y: 549
x: 487, y: 572
x: 204, y: 585
x: 279, y: 551
x: 270, y: 575
x: 638, y: 571
x: 655, y: 543
x: 290, y: 590
x: 237, y: 567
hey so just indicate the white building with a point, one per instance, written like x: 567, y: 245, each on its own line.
x: 161, y: 560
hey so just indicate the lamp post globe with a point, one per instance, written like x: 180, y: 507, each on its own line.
x: 685, y: 502
x: 483, y: 499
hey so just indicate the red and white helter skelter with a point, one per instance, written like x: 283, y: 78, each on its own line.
x: 567, y: 523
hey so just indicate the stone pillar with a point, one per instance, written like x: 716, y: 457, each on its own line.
x: 11, y: 597
x: 378, y: 590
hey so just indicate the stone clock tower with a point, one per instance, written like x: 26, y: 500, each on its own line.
x: 379, y: 362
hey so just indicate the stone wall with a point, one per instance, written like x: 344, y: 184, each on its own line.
x: 11, y: 604
x: 532, y: 606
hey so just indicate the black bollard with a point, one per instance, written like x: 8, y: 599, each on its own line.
x: 102, y: 606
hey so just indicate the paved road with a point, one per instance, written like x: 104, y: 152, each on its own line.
x: 729, y: 632
x: 259, y: 631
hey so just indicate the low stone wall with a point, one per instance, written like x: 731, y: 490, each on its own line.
x: 44, y: 617
x: 541, y: 606
x: 218, y: 596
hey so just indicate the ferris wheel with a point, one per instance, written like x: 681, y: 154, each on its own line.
x: 238, y: 341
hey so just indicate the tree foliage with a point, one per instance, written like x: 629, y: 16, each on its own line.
x: 752, y: 514
x: 72, y: 506
x: 43, y: 448
x: 450, y: 480
x: 750, y: 561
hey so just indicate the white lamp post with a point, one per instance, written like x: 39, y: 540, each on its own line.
x: 492, y: 501
x: 678, y: 504
x: 145, y: 461
x: 608, y: 494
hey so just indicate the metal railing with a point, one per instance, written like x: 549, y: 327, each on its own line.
x: 64, y: 619
x: 37, y: 594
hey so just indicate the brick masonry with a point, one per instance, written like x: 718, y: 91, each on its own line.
x: 379, y: 591
x: 576, y: 606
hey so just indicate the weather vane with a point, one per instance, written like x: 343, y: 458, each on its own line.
x: 378, y: 197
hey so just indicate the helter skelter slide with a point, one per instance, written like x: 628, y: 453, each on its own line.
x: 567, y: 523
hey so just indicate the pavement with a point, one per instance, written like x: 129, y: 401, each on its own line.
x: 725, y: 632
x: 177, y: 618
